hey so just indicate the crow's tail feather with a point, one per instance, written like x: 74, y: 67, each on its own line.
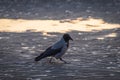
x: 46, y: 53
x: 39, y: 57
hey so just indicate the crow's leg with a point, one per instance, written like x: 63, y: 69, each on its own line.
x: 50, y: 61
x: 62, y: 60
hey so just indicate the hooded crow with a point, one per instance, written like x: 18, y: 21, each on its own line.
x: 57, y: 50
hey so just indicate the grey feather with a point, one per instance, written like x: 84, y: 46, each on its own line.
x: 59, y: 44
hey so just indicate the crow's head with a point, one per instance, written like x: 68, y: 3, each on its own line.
x: 67, y: 37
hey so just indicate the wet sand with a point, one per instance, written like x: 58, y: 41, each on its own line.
x: 93, y: 55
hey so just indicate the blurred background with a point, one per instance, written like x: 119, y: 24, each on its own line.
x: 28, y: 27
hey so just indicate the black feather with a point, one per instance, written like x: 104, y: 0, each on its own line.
x: 48, y: 52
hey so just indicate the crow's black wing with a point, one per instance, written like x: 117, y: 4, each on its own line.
x: 48, y: 52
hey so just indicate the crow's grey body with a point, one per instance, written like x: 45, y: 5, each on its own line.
x: 57, y: 50
x: 62, y: 45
